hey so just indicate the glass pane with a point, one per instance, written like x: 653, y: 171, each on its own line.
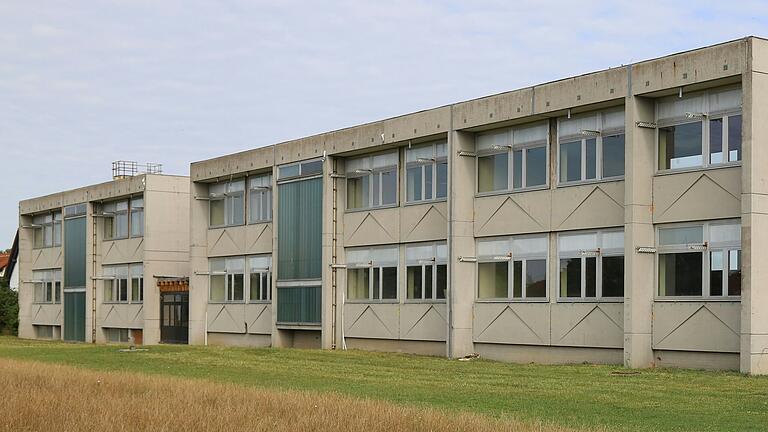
x: 493, y: 280
x: 108, y: 296
x: 517, y: 169
x: 492, y: 172
x: 716, y: 141
x: 535, y: 166
x: 591, y: 158
x: 314, y: 167
x: 414, y: 282
x: 300, y: 230
x: 442, y: 180
x: 613, y: 276
x: 681, y: 236
x: 428, y: 181
x: 442, y: 281
x: 135, y: 296
x: 218, y: 288
x: 413, y: 183
x: 357, y: 283
x: 137, y: 223
x: 570, y: 161
x: 734, y: 273
x: 357, y: 192
x: 216, y: 212
x: 266, y: 293
x: 255, y: 289
x: 680, y: 274
x: 376, y: 288
x: 428, y: 282
x: 536, y: 278
x: 288, y: 171
x: 570, y: 277
x: 517, y: 279
x: 57, y: 289
x: 734, y: 138
x: 590, y: 277
x: 122, y: 290
x: 716, y: 273
x: 613, y: 156
x: 376, y: 189
x: 121, y: 225
x: 238, y: 287
x: 238, y: 209
x: 389, y: 283
x: 680, y: 146
x: 389, y: 187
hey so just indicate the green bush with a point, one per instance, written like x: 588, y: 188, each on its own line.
x: 9, y: 309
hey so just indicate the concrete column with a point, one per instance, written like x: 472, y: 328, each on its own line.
x: 639, y: 269
x: 754, y: 208
x: 461, y: 242
x: 198, y: 260
x: 329, y: 291
x: 26, y: 289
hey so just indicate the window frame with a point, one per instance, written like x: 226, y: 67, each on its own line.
x: 371, y: 173
x: 510, y: 258
x: 705, y: 120
x: 265, y: 273
x: 301, y: 174
x: 109, y: 228
x: 598, y: 135
x: 113, y: 283
x: 266, y: 196
x: 45, y: 227
x: 583, y: 255
x: 48, y: 282
x: 423, y: 263
x: 509, y: 148
x: 705, y: 248
x: 433, y: 162
x: 229, y: 278
x: 374, y: 265
x: 228, y: 198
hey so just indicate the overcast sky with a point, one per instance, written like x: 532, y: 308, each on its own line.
x: 85, y: 83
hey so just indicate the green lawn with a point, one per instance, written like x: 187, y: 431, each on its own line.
x: 578, y: 395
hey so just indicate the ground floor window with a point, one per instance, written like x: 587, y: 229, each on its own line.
x: 512, y: 268
x: 426, y: 271
x: 591, y: 264
x: 47, y: 285
x: 372, y: 273
x: 117, y: 335
x: 123, y: 283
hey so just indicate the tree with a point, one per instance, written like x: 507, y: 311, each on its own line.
x: 9, y: 309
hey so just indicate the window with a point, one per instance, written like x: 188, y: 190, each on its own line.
x: 426, y: 271
x: 227, y: 280
x: 512, y: 268
x: 372, y: 181
x: 591, y: 265
x: 117, y: 335
x: 702, y: 260
x: 700, y: 130
x: 300, y: 169
x: 227, y: 203
x: 260, y: 278
x: 514, y: 157
x: 372, y: 273
x: 260, y: 198
x: 591, y: 147
x: 123, y: 217
x: 123, y: 283
x: 47, y: 230
x: 426, y: 175
x: 47, y: 286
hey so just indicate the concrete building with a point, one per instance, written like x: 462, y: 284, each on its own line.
x: 93, y: 261
x: 604, y: 218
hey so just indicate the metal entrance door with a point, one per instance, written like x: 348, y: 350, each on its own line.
x: 174, y: 317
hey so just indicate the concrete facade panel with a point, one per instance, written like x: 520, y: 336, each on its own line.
x: 677, y: 326
x: 689, y: 196
x: 512, y: 323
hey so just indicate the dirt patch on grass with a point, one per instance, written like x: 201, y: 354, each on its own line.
x: 44, y: 397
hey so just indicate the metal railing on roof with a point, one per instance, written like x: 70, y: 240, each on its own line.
x: 122, y: 169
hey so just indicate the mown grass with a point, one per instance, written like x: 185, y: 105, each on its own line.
x: 575, y: 396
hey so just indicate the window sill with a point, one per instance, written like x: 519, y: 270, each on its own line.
x: 367, y: 209
x: 115, y: 238
x: 387, y: 301
x: 226, y: 302
x: 121, y: 303
x: 258, y: 302
x: 46, y: 303
x: 665, y: 172
x: 424, y: 301
x: 431, y: 201
x: 566, y: 300
x: 225, y: 226
x: 511, y: 191
x: 694, y: 299
x: 501, y: 300
x: 589, y: 182
x: 259, y: 222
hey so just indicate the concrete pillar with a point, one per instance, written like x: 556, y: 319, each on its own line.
x: 329, y: 291
x: 461, y: 242
x: 198, y: 259
x: 26, y: 289
x: 639, y: 269
x: 754, y: 208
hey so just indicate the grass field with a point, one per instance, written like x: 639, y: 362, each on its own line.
x: 576, y: 396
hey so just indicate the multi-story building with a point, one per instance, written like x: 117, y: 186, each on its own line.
x: 93, y: 261
x: 605, y: 218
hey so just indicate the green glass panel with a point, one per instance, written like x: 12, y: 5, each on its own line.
x: 300, y: 230
x: 74, y: 316
x: 74, y: 252
x: 299, y: 305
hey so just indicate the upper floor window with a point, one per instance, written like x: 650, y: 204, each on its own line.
x: 260, y: 198
x: 591, y: 147
x: 47, y: 286
x: 123, y: 283
x: 426, y: 270
x: 260, y: 278
x: 47, y: 230
x: 123, y: 217
x: 426, y: 172
x: 700, y: 260
x: 372, y: 181
x: 515, y: 157
x: 700, y: 130
x: 227, y: 203
x: 512, y: 268
x: 372, y: 273
x: 300, y: 169
x: 227, y: 280
x: 591, y: 265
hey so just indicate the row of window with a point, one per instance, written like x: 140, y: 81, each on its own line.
x: 123, y: 283
x: 230, y: 281
x: 123, y: 219
x: 228, y: 201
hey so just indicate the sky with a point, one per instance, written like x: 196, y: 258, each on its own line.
x: 85, y: 83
